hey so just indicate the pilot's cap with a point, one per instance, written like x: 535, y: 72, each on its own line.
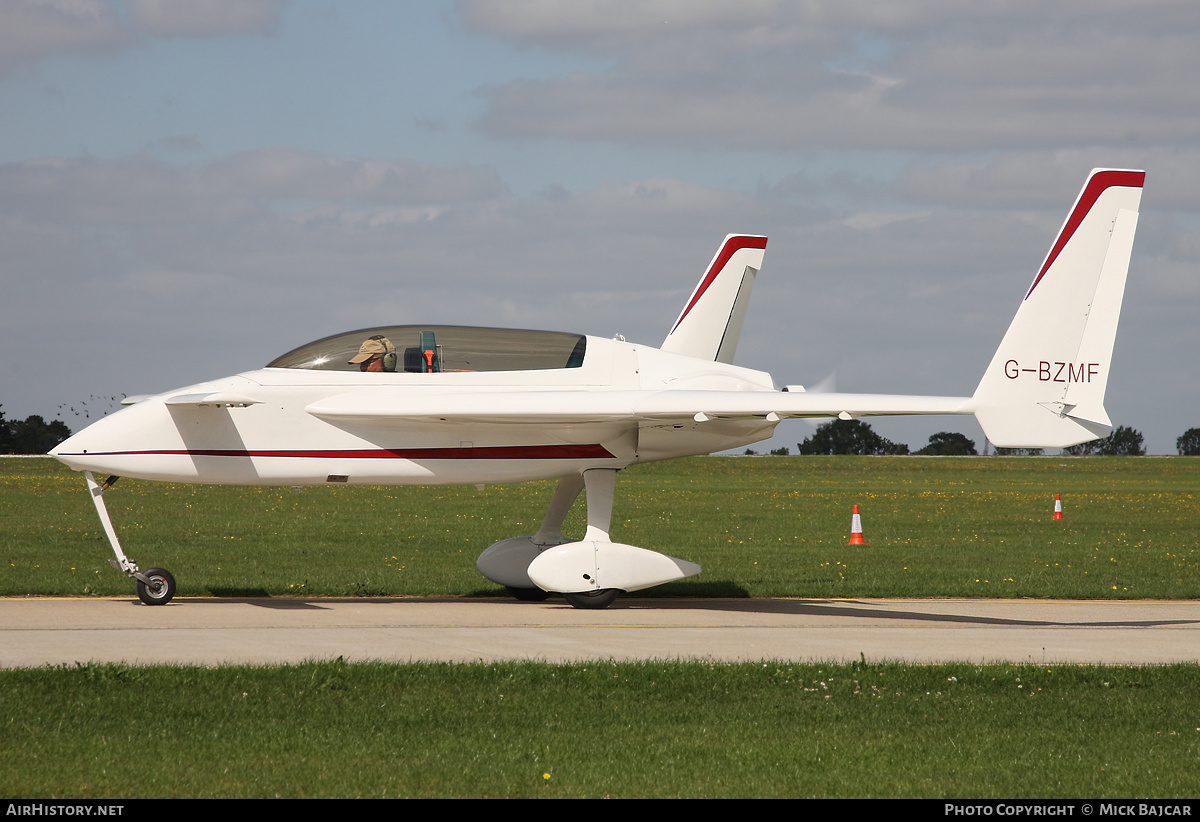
x: 371, y: 347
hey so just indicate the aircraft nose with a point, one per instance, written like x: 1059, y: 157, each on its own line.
x: 72, y: 448
x: 71, y: 445
x: 102, y: 445
x: 141, y: 441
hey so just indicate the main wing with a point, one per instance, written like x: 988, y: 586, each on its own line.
x: 388, y: 409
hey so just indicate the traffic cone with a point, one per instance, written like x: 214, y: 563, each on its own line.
x: 1058, y: 506
x: 856, y: 534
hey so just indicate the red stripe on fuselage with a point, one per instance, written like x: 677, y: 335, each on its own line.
x: 497, y: 452
x: 1095, y: 187
x: 735, y: 244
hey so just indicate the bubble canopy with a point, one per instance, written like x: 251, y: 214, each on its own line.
x: 444, y: 348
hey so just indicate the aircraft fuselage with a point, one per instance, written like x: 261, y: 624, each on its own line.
x: 291, y: 426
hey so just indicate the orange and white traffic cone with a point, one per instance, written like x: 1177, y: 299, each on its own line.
x: 1058, y: 506
x: 856, y: 534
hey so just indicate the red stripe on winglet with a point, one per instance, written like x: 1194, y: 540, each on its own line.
x: 732, y: 245
x: 1095, y: 187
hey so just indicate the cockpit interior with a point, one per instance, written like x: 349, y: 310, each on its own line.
x: 433, y: 349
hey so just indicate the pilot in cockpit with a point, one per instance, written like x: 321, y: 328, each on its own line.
x: 376, y: 354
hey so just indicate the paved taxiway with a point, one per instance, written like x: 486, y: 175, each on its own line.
x: 36, y: 632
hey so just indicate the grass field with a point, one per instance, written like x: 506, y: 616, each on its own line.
x: 602, y: 729
x: 769, y: 526
x: 765, y: 526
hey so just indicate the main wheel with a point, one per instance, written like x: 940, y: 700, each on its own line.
x: 528, y: 594
x: 160, y: 588
x: 593, y: 600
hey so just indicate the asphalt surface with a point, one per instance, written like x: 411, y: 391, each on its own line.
x: 53, y: 631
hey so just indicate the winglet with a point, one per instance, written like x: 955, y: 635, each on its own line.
x: 1046, y: 382
x: 711, y: 322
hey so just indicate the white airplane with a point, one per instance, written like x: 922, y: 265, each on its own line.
x: 425, y: 405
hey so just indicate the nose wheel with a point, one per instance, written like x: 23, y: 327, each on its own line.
x: 158, y: 588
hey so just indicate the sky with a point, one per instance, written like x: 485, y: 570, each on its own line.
x: 190, y: 188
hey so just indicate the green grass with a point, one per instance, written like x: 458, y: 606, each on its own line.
x: 761, y: 527
x: 601, y: 729
x: 768, y: 526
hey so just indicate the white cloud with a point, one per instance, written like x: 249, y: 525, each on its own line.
x: 204, y: 18
x: 35, y: 29
x: 32, y: 30
x: 141, y: 189
x: 1039, y: 179
x: 790, y: 76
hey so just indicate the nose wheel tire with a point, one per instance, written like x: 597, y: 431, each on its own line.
x: 159, y: 587
x: 593, y: 600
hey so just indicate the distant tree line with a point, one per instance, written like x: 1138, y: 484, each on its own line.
x: 856, y: 437
x: 848, y: 437
x: 1189, y: 443
x: 1123, y: 442
x: 32, y: 435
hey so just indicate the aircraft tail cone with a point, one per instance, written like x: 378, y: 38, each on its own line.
x: 1058, y: 506
x: 856, y: 532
